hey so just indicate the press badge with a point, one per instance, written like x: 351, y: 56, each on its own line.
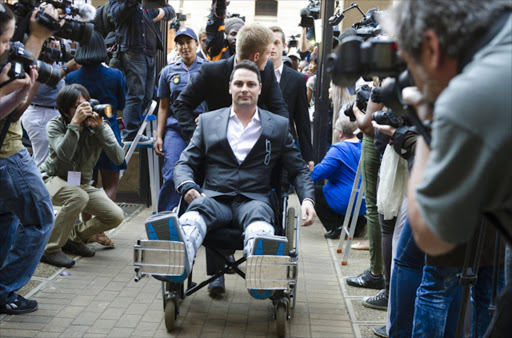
x: 74, y: 177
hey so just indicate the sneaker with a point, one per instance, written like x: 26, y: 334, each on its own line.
x: 333, y: 234
x: 216, y: 288
x: 143, y: 140
x: 378, y: 302
x: 58, y: 258
x: 367, y: 280
x: 78, y: 248
x: 19, y: 306
x: 380, y: 331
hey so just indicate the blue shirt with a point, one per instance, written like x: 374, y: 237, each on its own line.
x: 339, y: 167
x: 47, y: 95
x: 174, y: 78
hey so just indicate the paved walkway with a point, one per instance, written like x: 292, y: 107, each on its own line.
x: 98, y: 297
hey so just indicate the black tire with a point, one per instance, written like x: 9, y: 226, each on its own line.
x: 170, y: 314
x: 290, y: 228
x: 281, y: 315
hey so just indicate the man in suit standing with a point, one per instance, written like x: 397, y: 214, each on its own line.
x: 210, y: 85
x: 293, y: 88
x: 238, y: 148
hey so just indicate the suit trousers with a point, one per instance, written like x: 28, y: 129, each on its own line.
x: 221, y: 212
x: 73, y: 200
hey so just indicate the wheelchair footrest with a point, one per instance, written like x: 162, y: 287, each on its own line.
x: 270, y: 272
x: 163, y: 258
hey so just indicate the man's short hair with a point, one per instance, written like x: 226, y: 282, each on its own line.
x: 67, y: 97
x: 457, y: 23
x: 275, y: 29
x: 253, y: 38
x: 246, y: 64
x: 202, y: 31
x: 344, y: 125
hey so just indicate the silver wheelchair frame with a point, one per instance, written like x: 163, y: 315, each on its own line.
x: 267, y: 272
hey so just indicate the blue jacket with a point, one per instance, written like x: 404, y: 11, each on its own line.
x: 128, y: 16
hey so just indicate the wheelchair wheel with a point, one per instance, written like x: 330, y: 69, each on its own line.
x: 170, y: 314
x: 290, y: 228
x: 281, y: 314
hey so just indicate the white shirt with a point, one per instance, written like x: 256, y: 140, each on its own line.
x: 279, y: 72
x: 242, y: 140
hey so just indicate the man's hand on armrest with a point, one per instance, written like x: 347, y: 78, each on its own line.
x: 308, y: 212
x: 190, y: 191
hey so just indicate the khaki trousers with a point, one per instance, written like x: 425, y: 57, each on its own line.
x: 73, y: 200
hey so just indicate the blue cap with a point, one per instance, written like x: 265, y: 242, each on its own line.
x: 186, y: 31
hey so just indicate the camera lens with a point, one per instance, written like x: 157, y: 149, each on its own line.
x: 46, y: 73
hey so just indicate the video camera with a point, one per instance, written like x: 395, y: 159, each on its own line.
x: 103, y: 110
x: 21, y: 60
x: 72, y: 29
x: 362, y: 96
x: 309, y: 14
x: 176, y: 22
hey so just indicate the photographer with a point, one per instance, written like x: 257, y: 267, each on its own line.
x: 466, y: 173
x: 43, y: 106
x: 26, y: 212
x: 221, y: 34
x: 140, y: 34
x: 76, y: 139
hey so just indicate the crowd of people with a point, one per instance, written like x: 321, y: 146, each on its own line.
x: 236, y: 98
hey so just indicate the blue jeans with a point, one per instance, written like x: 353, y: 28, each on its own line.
x: 26, y: 222
x: 172, y: 149
x: 481, y: 298
x: 139, y: 72
x: 405, y: 280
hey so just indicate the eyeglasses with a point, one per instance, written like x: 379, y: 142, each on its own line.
x: 268, y: 148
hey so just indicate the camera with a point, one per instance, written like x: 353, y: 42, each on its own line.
x: 355, y: 58
x: 176, y: 22
x: 235, y: 15
x: 362, y: 95
x: 103, y: 110
x: 390, y: 94
x: 72, y: 29
x: 292, y: 42
x: 21, y: 60
x: 388, y: 117
x: 65, y: 53
x: 309, y: 14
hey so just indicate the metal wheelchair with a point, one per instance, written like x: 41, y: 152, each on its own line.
x: 271, y: 277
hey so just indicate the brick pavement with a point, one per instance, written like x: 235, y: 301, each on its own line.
x: 100, y: 298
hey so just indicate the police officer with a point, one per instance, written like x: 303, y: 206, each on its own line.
x: 169, y: 141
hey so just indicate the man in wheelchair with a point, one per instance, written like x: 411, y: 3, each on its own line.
x: 237, y: 148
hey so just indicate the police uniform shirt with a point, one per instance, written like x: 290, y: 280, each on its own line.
x: 175, y: 77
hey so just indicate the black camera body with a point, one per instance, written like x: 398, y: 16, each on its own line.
x: 21, y: 60
x: 103, y: 110
x: 388, y: 117
x: 362, y: 96
x: 176, y: 22
x: 309, y: 14
x: 65, y: 53
x: 235, y: 15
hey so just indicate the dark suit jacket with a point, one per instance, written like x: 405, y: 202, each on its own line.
x: 211, y: 84
x: 293, y: 88
x: 209, y: 149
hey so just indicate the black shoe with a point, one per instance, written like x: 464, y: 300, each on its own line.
x: 19, y: 306
x: 58, y: 258
x: 380, y: 331
x: 378, y: 302
x: 333, y: 234
x: 231, y: 259
x: 367, y: 280
x: 78, y: 248
x: 216, y: 288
